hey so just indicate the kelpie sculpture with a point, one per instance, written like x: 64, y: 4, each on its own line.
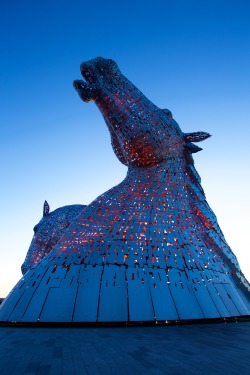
x: 149, y: 249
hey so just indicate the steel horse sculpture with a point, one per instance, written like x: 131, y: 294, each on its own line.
x: 149, y: 249
x: 48, y: 232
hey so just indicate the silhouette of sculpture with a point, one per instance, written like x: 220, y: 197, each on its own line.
x: 150, y: 248
x: 48, y: 232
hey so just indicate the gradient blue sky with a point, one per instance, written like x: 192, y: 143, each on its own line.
x: 192, y: 57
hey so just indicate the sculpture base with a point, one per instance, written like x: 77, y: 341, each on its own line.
x: 236, y: 319
x: 116, y: 294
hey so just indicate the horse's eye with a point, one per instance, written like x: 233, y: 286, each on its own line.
x: 35, y: 229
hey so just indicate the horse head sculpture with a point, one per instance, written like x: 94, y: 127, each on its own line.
x: 148, y: 249
x: 48, y: 231
x: 141, y: 133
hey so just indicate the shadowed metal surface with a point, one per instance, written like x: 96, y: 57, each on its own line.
x: 149, y: 249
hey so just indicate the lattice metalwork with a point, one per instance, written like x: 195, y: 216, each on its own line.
x: 48, y: 232
x: 149, y: 249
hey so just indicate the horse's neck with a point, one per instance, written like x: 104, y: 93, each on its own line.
x: 169, y: 176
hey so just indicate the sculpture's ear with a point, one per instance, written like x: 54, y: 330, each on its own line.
x: 192, y: 148
x: 46, y: 208
x: 196, y: 137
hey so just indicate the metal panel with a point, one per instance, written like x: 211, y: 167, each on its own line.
x: 59, y: 301
x: 202, y: 295
x: 244, y: 298
x: 183, y: 296
x: 35, y: 306
x: 32, y: 282
x: 163, y: 303
x: 59, y: 305
x: 113, y: 295
x: 11, y: 301
x: 140, y: 302
x: 227, y: 300
x: 86, y: 304
x: 234, y: 295
x: 220, y: 305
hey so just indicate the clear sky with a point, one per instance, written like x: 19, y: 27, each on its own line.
x: 192, y: 57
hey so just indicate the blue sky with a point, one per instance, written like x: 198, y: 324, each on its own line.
x: 189, y: 56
